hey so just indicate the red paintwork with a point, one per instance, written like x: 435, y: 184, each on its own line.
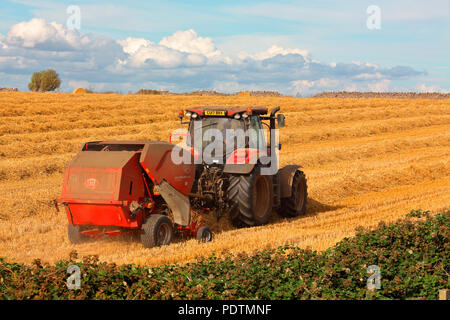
x: 159, y: 166
x: 97, y: 233
x: 197, y: 222
x: 96, y: 214
x: 94, y: 233
x: 103, y: 183
x: 100, y: 195
x: 230, y: 110
x: 243, y: 156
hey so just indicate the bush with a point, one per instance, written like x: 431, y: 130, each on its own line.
x: 43, y: 81
x: 413, y: 256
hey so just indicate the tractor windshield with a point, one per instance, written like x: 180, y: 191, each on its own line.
x: 200, y: 128
x: 250, y: 127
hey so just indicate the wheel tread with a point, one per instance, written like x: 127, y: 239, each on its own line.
x: 239, y: 195
x: 288, y: 205
x: 148, y: 235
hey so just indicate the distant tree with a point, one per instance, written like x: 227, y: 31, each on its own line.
x: 35, y: 84
x: 43, y: 81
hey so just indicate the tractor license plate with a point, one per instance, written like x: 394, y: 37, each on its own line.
x: 215, y: 113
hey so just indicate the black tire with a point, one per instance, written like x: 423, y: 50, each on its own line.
x: 204, y: 234
x: 74, y: 234
x: 157, y: 230
x: 251, y: 199
x: 295, y: 205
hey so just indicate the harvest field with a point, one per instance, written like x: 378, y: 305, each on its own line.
x: 366, y: 161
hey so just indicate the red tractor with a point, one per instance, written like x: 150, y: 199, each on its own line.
x: 116, y: 187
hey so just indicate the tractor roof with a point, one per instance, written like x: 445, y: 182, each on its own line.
x: 230, y: 110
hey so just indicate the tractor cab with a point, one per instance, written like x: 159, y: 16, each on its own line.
x: 237, y: 168
x: 229, y: 134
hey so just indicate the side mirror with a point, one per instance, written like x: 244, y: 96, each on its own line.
x: 281, y: 120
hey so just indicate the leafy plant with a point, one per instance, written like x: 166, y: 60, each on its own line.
x: 412, y: 254
x: 418, y: 213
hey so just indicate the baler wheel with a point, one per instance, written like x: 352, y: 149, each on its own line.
x: 156, y: 231
x: 204, y: 234
x: 250, y: 199
x: 295, y: 205
x: 74, y: 234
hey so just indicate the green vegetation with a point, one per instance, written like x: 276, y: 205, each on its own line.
x: 412, y: 254
x: 43, y: 81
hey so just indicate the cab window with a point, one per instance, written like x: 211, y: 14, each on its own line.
x: 256, y: 134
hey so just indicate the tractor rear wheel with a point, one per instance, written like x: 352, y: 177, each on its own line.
x: 74, y: 234
x: 295, y: 205
x: 250, y: 199
x: 157, y: 230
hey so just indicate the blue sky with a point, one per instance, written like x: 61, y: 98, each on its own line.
x: 291, y: 46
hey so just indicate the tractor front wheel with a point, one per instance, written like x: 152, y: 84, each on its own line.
x: 295, y: 205
x: 250, y: 199
x: 204, y: 234
x: 156, y: 231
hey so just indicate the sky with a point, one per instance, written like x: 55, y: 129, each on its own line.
x: 294, y: 47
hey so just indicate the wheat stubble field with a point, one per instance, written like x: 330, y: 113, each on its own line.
x: 366, y: 161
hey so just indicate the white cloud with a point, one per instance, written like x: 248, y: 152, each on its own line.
x: 272, y: 52
x: 195, y: 60
x: 351, y: 87
x: 227, y: 86
x: 181, y: 62
x: 368, y: 76
x: 39, y: 44
x: 380, y: 86
x: 79, y: 84
x: 430, y: 88
x: 17, y: 62
x: 188, y: 41
x: 73, y: 84
x: 132, y: 45
x: 37, y: 33
x: 365, y: 64
x: 2, y: 42
x: 305, y: 87
x: 162, y: 56
x: 182, y: 48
